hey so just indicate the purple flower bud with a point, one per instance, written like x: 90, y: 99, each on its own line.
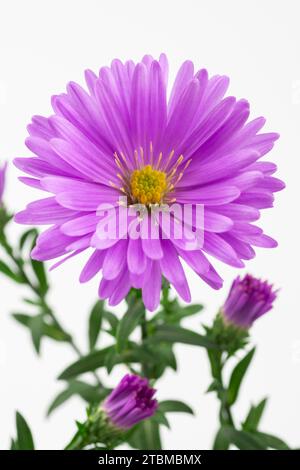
x: 130, y: 402
x: 249, y: 298
x: 2, y: 180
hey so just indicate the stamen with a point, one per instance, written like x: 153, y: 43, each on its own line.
x: 159, y: 160
x: 124, y: 158
x: 151, y: 153
x: 136, y: 158
x: 178, y: 162
x: 171, y: 154
x: 142, y: 156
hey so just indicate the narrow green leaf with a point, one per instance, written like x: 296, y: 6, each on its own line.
x: 170, y: 406
x: 40, y: 273
x: 99, y: 358
x: 111, y: 359
x: 90, y: 393
x: 130, y: 320
x: 13, y: 445
x: 161, y: 419
x: 221, y: 440
x: 60, y: 399
x: 22, y: 318
x: 55, y: 333
x: 35, y: 302
x: 146, y: 436
x: 254, y: 416
x: 237, y: 376
x: 112, y: 320
x: 271, y: 441
x: 88, y: 363
x: 184, y: 312
x: 176, y: 334
x: 151, y: 435
x: 36, y: 326
x: 93, y: 394
x: 243, y: 440
x: 7, y: 271
x: 164, y: 354
x: 31, y: 233
x: 48, y: 330
x: 24, y: 436
x: 215, y: 386
x: 95, y: 322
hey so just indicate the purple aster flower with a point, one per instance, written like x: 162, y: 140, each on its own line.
x: 2, y: 181
x: 124, y: 137
x: 249, y: 298
x: 130, y: 402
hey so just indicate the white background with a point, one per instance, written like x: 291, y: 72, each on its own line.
x: 43, y: 45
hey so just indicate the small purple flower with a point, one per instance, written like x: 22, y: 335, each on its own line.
x: 249, y: 298
x: 130, y: 402
x: 2, y: 180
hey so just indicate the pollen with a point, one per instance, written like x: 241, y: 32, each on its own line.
x: 148, y: 186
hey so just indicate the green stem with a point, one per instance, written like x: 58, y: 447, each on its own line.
x: 225, y: 409
x: 217, y: 365
x: 77, y: 443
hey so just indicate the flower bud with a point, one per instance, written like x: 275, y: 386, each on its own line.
x: 249, y: 298
x: 130, y: 402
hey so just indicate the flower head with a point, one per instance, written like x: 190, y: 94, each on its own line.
x: 2, y: 180
x: 123, y: 137
x: 249, y: 298
x: 130, y: 402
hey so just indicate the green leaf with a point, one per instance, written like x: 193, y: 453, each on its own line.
x: 161, y: 419
x: 146, y: 436
x: 112, y: 320
x: 55, y: 333
x: 40, y: 273
x: 172, y: 312
x: 165, y: 355
x: 24, y: 436
x: 215, y: 386
x: 170, y: 406
x: 36, y: 325
x: 48, y: 330
x: 176, y: 334
x: 35, y: 302
x: 90, y: 393
x: 31, y: 233
x: 184, y: 312
x: 130, y: 320
x: 22, y: 318
x: 61, y: 398
x: 13, y: 445
x: 88, y: 363
x: 271, y: 441
x: 243, y: 440
x: 254, y: 416
x: 237, y: 376
x: 221, y: 440
x: 7, y: 271
x: 111, y: 359
x: 95, y: 322
x: 107, y: 357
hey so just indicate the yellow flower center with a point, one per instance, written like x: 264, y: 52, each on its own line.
x: 148, y: 186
